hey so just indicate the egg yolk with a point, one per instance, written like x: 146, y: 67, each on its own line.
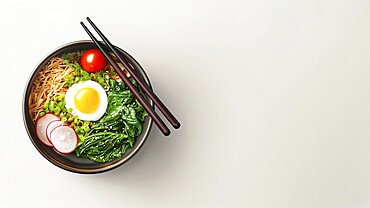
x: 87, y: 100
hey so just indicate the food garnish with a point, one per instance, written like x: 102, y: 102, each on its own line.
x: 41, y: 125
x: 64, y: 139
x: 93, y: 60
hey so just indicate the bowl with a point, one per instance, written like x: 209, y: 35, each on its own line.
x: 71, y: 162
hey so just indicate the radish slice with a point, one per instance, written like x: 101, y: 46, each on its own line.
x: 41, y: 125
x: 51, y: 126
x: 64, y: 139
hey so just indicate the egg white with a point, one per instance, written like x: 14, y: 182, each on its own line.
x: 102, y: 107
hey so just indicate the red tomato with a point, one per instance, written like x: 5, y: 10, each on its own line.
x: 93, y: 61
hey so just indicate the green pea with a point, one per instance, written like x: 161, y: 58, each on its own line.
x: 42, y: 114
x: 86, y: 129
x: 64, y: 119
x: 60, y: 105
x: 46, y: 105
x: 69, y: 110
x: 51, y: 106
x: 60, y: 98
x: 57, y: 110
x: 78, y: 129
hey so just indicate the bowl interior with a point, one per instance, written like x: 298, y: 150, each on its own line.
x: 69, y: 161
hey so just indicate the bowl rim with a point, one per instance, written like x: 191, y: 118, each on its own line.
x: 56, y: 162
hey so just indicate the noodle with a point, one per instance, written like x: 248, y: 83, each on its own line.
x: 49, y: 83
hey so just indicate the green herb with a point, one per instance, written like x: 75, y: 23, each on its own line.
x: 71, y: 57
x: 79, y: 74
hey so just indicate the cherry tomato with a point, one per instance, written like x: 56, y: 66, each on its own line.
x: 93, y: 61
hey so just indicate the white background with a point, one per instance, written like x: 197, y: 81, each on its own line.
x: 273, y: 97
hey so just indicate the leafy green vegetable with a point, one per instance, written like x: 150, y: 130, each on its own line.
x: 115, y: 132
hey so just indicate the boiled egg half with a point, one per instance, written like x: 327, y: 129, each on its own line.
x: 88, y: 100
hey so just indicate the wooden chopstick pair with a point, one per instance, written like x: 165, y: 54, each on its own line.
x: 157, y: 120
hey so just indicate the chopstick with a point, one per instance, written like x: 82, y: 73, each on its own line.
x: 157, y: 120
x: 170, y: 117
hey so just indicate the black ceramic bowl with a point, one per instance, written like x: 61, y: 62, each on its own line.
x: 69, y: 161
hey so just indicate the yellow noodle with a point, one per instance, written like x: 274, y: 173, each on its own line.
x: 49, y: 83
